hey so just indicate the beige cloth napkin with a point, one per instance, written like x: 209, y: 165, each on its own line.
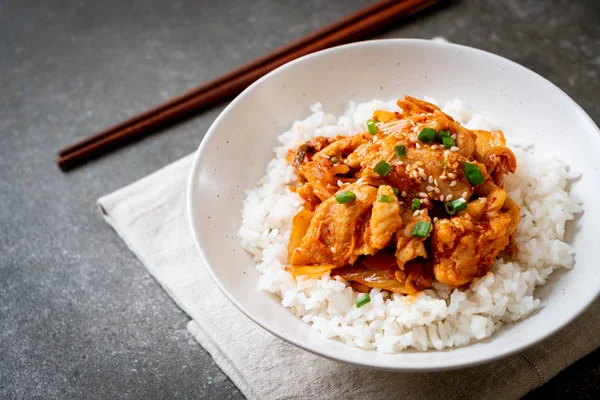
x: 150, y: 216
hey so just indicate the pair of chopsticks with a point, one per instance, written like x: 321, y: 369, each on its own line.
x: 359, y: 25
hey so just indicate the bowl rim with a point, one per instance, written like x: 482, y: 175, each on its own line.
x: 456, y: 364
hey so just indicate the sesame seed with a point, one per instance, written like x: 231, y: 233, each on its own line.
x: 434, y: 147
x: 400, y: 163
x: 412, y: 138
x: 464, y: 195
x: 453, y: 136
x: 449, y: 197
x: 453, y: 183
x: 430, y: 180
x: 422, y: 212
x: 325, y: 156
x: 429, y: 188
x: 416, y: 213
x: 374, y: 138
x: 442, y: 197
x: 435, y: 219
x: 437, y: 190
x: 452, y: 175
x: 421, y: 194
x: 419, y: 163
x: 339, y: 182
x: 360, y: 181
x: 447, y: 152
x: 411, y: 122
x: 332, y: 249
x: 422, y: 174
x: 443, y: 177
x: 403, y: 194
x: 425, y: 201
x: 435, y: 182
x: 453, y: 148
x: 418, y: 146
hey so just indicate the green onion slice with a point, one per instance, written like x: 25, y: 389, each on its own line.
x: 363, y: 300
x: 396, y: 191
x: 400, y: 150
x: 427, y: 135
x: 470, y: 166
x: 346, y: 197
x: 421, y: 229
x: 474, y: 175
x: 384, y: 198
x: 334, y: 159
x: 371, y: 127
x: 444, y: 134
x: 382, y: 168
x: 454, y: 206
x: 448, y: 142
x: 416, y: 204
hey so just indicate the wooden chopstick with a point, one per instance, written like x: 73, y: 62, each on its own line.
x: 354, y: 27
x: 233, y: 74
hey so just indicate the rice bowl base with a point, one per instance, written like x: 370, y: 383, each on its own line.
x: 232, y: 157
x: 437, y: 318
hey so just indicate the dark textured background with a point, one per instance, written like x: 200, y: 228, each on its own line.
x: 79, y: 315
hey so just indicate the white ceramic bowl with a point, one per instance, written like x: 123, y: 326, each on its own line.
x: 237, y: 147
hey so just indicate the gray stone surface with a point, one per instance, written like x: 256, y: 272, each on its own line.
x: 79, y: 315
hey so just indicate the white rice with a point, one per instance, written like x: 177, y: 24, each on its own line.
x: 439, y: 317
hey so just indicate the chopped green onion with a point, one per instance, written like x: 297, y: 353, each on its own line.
x: 454, y: 206
x: 421, y: 229
x: 469, y: 166
x: 334, y: 159
x: 416, y: 204
x: 396, y: 191
x: 448, y: 142
x: 444, y: 134
x: 346, y: 197
x: 371, y: 127
x: 384, y: 198
x: 427, y: 135
x: 475, y: 177
x: 474, y: 174
x: 363, y: 300
x: 382, y: 168
x: 400, y: 150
